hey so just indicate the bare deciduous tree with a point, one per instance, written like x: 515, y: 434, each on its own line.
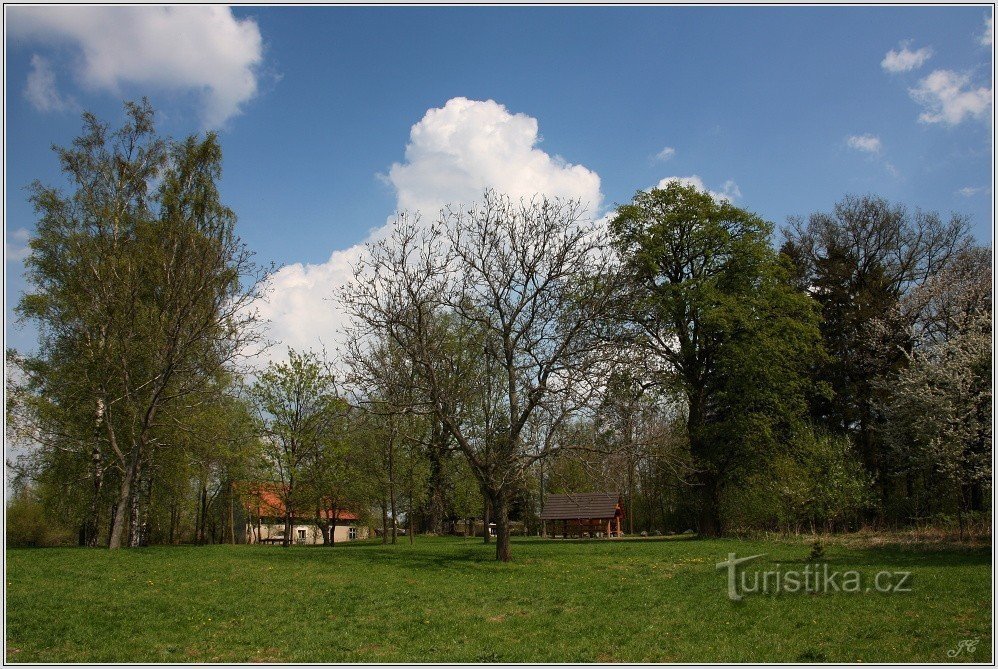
x: 496, y: 310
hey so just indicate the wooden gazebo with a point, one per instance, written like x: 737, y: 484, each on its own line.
x: 587, y: 514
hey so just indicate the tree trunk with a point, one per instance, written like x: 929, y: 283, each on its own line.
x: 438, y: 483
x: 135, y: 518
x: 486, y: 516
x: 91, y: 528
x: 203, y: 515
x: 540, y: 488
x: 232, y: 513
x: 144, y: 525
x: 122, y: 518
x: 384, y: 523
x: 197, y: 521
x: 501, y: 510
x: 391, y: 490
x: 110, y: 527
x: 287, y: 526
x: 630, y: 477
x: 173, y: 521
x: 410, y: 529
x: 708, y: 517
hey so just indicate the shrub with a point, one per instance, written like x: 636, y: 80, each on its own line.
x: 816, y: 483
x: 29, y: 526
x: 817, y: 552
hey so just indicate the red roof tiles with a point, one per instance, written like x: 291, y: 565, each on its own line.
x: 263, y: 499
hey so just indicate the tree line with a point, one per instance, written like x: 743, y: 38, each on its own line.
x: 724, y: 379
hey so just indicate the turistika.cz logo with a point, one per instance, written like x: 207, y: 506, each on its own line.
x: 812, y: 579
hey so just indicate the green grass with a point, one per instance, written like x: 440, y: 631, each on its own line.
x: 444, y: 599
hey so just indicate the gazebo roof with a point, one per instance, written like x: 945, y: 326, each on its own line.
x: 576, y: 506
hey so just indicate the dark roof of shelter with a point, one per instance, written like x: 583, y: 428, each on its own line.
x: 575, y: 506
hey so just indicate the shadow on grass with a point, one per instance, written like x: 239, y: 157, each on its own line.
x: 471, y: 554
x: 859, y: 558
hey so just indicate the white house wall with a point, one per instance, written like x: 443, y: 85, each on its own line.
x: 312, y: 534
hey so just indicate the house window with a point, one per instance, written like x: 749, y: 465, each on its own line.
x: 301, y: 536
x: 352, y: 533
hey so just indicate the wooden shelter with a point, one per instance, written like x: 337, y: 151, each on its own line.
x: 585, y: 514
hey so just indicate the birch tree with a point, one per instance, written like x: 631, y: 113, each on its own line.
x: 141, y: 291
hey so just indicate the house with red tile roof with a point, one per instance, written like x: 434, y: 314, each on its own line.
x: 266, y: 519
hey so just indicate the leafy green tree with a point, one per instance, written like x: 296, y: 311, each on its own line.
x: 859, y: 262
x: 438, y: 448
x: 29, y: 523
x: 140, y: 289
x: 298, y: 408
x: 213, y: 446
x: 817, y: 483
x: 711, y: 306
x: 333, y: 480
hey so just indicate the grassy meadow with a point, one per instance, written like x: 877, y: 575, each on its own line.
x: 445, y: 600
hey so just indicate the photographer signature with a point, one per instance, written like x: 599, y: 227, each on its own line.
x: 968, y: 645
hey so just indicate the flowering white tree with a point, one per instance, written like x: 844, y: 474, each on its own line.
x: 939, y: 411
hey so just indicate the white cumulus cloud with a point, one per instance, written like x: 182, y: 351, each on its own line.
x: 729, y: 191
x: 454, y: 153
x: 299, y: 305
x: 904, y: 59
x: 866, y: 143
x: 988, y: 36
x: 200, y: 49
x: 458, y: 150
x: 950, y: 97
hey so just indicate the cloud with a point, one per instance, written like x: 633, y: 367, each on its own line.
x: 729, y: 191
x: 970, y: 191
x: 17, y: 247
x: 458, y: 150
x: 866, y: 143
x: 949, y: 97
x: 41, y: 90
x: 454, y: 152
x: 203, y: 50
x: 905, y: 60
x: 299, y: 307
x: 665, y: 154
x: 988, y: 37
x: 873, y: 147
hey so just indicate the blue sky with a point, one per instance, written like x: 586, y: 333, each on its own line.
x: 327, y: 126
